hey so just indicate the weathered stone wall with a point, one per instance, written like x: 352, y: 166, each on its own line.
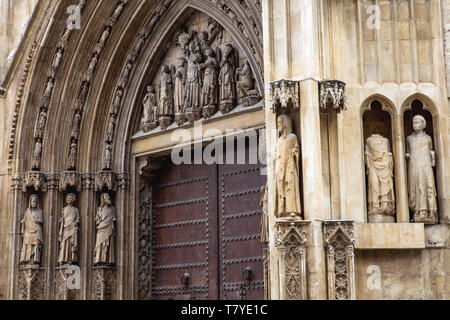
x: 446, y: 26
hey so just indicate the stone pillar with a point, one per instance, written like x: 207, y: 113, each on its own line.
x: 122, y: 209
x: 401, y: 181
x: 313, y: 186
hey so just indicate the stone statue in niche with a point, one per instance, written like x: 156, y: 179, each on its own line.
x: 150, y: 114
x: 76, y: 126
x: 287, y: 171
x: 209, y: 90
x: 36, y: 159
x: 227, y: 79
x: 422, y: 159
x: 72, y: 160
x: 49, y: 89
x: 109, y: 135
x: 31, y: 230
x: 192, y: 98
x: 91, y: 69
x: 116, y: 103
x: 246, y: 85
x: 180, y: 82
x: 57, y: 60
x: 166, y: 98
x: 68, y: 232
x: 380, y: 165
x: 107, y: 157
x: 40, y: 126
x: 105, y: 247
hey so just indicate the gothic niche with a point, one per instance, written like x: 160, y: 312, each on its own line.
x: 379, y: 164
x: 421, y: 164
x: 204, y: 72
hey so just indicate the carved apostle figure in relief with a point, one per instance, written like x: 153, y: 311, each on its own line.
x: 422, y: 188
x: 40, y: 126
x: 36, y: 159
x: 247, y: 82
x: 104, y: 253
x: 72, y: 160
x: 68, y: 232
x: 180, y: 82
x: 380, y: 166
x: 287, y: 170
x: 31, y: 230
x: 76, y: 126
x: 192, y: 97
x: 227, y: 79
x: 107, y: 157
x: 150, y: 114
x: 209, y: 90
x: 166, y: 111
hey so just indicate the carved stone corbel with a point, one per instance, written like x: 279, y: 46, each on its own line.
x: 69, y: 179
x: 35, y: 180
x: 104, y: 284
x: 285, y: 94
x: 291, y: 245
x: 340, y: 247
x: 148, y: 171
x: 333, y: 97
x: 88, y: 181
x: 105, y: 179
x: 31, y: 283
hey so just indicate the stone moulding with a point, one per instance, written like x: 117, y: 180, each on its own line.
x: 291, y: 244
x: 285, y: 94
x: 333, y: 97
x: 340, y: 255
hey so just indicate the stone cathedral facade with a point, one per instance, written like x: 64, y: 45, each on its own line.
x: 218, y: 149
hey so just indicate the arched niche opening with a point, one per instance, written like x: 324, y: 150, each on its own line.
x: 421, y: 158
x: 379, y: 163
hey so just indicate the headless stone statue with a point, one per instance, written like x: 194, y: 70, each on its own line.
x: 68, y: 232
x: 380, y: 166
x: 31, y: 229
x: 421, y: 185
x: 287, y: 171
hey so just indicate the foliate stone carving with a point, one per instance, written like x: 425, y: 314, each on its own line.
x: 166, y: 110
x: 35, y: 180
x: 68, y: 232
x: 380, y: 177
x: 65, y: 291
x: 31, y: 283
x: 287, y: 171
x: 150, y: 114
x: 246, y: 86
x: 17, y: 182
x: 31, y: 231
x: 210, y: 95
x: 285, y: 94
x: 105, y: 179
x: 227, y: 78
x: 104, y: 284
x: 340, y: 246
x: 69, y: 179
x: 145, y: 243
x: 291, y: 245
x: 421, y: 185
x: 105, y: 247
x: 333, y: 97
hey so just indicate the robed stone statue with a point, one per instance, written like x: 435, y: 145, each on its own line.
x: 287, y: 170
x: 105, y: 244
x: 422, y: 188
x: 31, y: 230
x: 68, y: 232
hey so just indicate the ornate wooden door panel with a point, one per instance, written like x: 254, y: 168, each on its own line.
x: 185, y: 233
x: 242, y: 274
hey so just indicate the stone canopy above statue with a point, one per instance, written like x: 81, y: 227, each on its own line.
x: 203, y: 73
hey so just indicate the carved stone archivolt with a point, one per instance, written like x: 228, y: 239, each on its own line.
x: 333, y: 97
x: 340, y: 250
x: 291, y: 245
x: 285, y: 94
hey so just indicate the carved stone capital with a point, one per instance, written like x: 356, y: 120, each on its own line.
x: 105, y: 179
x: 35, y: 180
x: 285, y: 94
x: 69, y: 179
x: 104, y: 283
x: 291, y: 243
x: 52, y: 181
x: 17, y: 182
x: 88, y: 181
x: 340, y: 245
x: 333, y: 97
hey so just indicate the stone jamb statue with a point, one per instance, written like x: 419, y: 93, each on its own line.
x: 68, y: 232
x: 31, y: 230
x: 104, y: 254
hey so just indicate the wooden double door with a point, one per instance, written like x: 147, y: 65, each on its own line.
x: 207, y: 233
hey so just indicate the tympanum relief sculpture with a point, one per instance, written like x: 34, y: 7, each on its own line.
x: 421, y: 185
x: 287, y: 171
x: 104, y: 254
x: 68, y: 232
x: 380, y: 164
x: 31, y: 230
x: 201, y: 76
